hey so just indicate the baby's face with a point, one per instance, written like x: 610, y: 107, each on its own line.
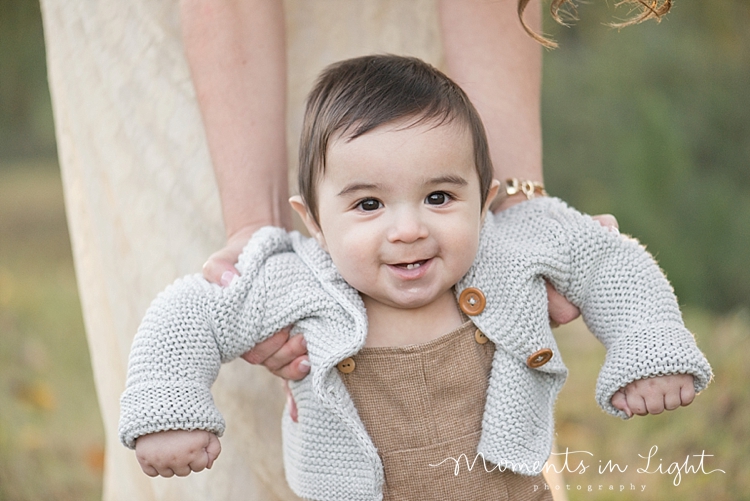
x: 400, y: 212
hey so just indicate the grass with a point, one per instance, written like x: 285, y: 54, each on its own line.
x: 51, y: 438
x: 715, y: 424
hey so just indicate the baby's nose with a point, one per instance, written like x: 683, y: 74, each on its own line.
x: 407, y: 227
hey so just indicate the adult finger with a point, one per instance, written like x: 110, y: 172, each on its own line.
x: 282, y: 363
x: 261, y: 351
x: 286, y: 360
x: 561, y: 311
x: 219, y: 269
x: 608, y: 221
x: 297, y: 370
x: 290, y: 402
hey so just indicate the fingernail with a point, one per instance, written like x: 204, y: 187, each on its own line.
x: 304, y: 366
x: 614, y: 229
x: 304, y: 342
x: 227, y: 277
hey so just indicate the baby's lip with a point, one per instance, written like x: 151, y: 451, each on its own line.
x: 411, y: 264
x: 411, y: 270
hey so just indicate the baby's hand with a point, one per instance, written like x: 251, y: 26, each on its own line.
x: 176, y: 452
x: 653, y: 395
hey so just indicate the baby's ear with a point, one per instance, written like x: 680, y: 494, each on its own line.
x: 300, y: 207
x: 491, y: 194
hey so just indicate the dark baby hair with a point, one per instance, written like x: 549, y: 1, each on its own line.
x: 355, y: 96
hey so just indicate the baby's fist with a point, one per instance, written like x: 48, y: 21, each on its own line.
x: 176, y: 452
x: 654, y: 395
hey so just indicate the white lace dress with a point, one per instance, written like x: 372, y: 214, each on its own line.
x: 143, y: 207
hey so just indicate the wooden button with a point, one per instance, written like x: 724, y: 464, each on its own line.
x: 479, y: 337
x: 346, y: 366
x: 539, y: 358
x: 471, y: 301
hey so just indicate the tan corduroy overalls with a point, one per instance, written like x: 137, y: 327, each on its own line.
x: 422, y: 406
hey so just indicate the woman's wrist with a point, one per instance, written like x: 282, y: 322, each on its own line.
x: 514, y: 191
x: 242, y: 235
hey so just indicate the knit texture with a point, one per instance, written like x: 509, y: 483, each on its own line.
x: 192, y: 327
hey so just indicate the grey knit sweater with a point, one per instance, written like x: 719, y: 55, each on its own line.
x: 193, y: 326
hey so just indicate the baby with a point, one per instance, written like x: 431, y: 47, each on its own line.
x: 425, y: 315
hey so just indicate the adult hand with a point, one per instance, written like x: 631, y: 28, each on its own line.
x: 219, y: 268
x: 285, y: 357
x: 282, y: 354
x: 562, y: 311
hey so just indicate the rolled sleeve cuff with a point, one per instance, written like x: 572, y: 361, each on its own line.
x: 652, y: 351
x: 154, y: 407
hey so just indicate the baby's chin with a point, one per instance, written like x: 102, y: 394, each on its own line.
x: 413, y: 301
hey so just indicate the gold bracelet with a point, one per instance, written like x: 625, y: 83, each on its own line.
x: 513, y: 186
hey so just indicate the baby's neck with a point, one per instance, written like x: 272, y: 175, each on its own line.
x: 390, y: 326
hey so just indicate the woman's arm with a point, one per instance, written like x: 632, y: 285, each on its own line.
x: 499, y: 66
x: 237, y: 57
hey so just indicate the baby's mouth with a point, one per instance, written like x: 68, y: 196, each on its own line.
x: 411, y: 266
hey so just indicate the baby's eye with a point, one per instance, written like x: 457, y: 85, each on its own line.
x: 369, y: 204
x: 437, y: 198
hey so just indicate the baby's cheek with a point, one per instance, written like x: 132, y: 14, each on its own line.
x: 354, y: 268
x: 465, y: 250
x: 355, y: 255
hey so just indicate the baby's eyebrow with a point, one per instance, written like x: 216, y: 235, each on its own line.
x: 354, y: 187
x: 449, y: 179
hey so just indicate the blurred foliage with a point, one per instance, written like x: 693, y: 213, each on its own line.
x: 26, y: 126
x: 652, y: 124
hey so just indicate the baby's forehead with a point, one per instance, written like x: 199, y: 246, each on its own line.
x: 402, y: 152
x: 401, y: 137
x: 403, y: 134
x: 458, y: 130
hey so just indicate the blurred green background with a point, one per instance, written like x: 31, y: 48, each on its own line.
x: 651, y: 123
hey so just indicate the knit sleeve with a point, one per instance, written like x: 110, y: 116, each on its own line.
x: 628, y: 304
x: 188, y: 331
